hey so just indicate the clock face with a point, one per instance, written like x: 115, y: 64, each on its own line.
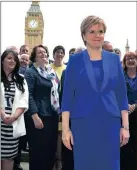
x: 33, y: 23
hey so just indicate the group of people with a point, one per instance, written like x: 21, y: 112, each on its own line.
x: 80, y: 115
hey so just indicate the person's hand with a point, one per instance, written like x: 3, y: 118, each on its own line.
x: 38, y: 122
x: 8, y: 119
x: 124, y: 136
x: 131, y: 107
x: 67, y: 138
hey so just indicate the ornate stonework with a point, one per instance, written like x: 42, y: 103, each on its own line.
x: 34, y: 26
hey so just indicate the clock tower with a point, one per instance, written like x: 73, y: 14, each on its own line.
x: 34, y: 26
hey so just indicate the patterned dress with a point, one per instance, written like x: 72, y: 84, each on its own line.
x: 9, y: 144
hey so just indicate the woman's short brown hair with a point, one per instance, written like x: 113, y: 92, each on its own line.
x: 33, y: 53
x: 90, y: 21
x: 129, y: 54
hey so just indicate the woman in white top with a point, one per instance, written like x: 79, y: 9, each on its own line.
x: 14, y: 102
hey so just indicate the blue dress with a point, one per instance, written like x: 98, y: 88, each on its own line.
x: 128, y: 153
x: 131, y: 84
x: 96, y: 137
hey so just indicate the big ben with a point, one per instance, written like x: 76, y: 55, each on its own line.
x: 34, y: 26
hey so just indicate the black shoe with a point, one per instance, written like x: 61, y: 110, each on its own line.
x: 18, y: 167
x: 26, y: 150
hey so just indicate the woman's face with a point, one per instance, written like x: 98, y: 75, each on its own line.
x: 59, y: 55
x: 9, y: 62
x: 41, y: 56
x: 94, y: 36
x: 131, y: 62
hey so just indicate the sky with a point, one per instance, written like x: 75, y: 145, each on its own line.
x: 62, y: 23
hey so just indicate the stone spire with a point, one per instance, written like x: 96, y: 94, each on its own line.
x: 127, y: 46
x: 35, y: 2
x: 35, y: 7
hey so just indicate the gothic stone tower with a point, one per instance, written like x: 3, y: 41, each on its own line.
x: 127, y: 47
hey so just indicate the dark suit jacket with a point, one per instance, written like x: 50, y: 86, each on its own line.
x: 80, y: 93
x: 62, y: 85
x: 39, y: 93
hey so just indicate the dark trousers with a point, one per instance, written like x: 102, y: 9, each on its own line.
x: 67, y: 159
x: 128, y: 158
x: 128, y: 153
x: 22, y: 143
x: 42, y: 143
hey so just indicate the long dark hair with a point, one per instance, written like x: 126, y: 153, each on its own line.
x: 18, y: 79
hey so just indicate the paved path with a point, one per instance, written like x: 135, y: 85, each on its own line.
x: 25, y: 165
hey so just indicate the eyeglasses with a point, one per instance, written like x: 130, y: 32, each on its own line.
x: 92, y: 32
x: 130, y: 58
x: 117, y: 52
x: 110, y: 51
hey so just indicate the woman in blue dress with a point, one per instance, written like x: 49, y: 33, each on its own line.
x: 129, y: 151
x: 95, y: 99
